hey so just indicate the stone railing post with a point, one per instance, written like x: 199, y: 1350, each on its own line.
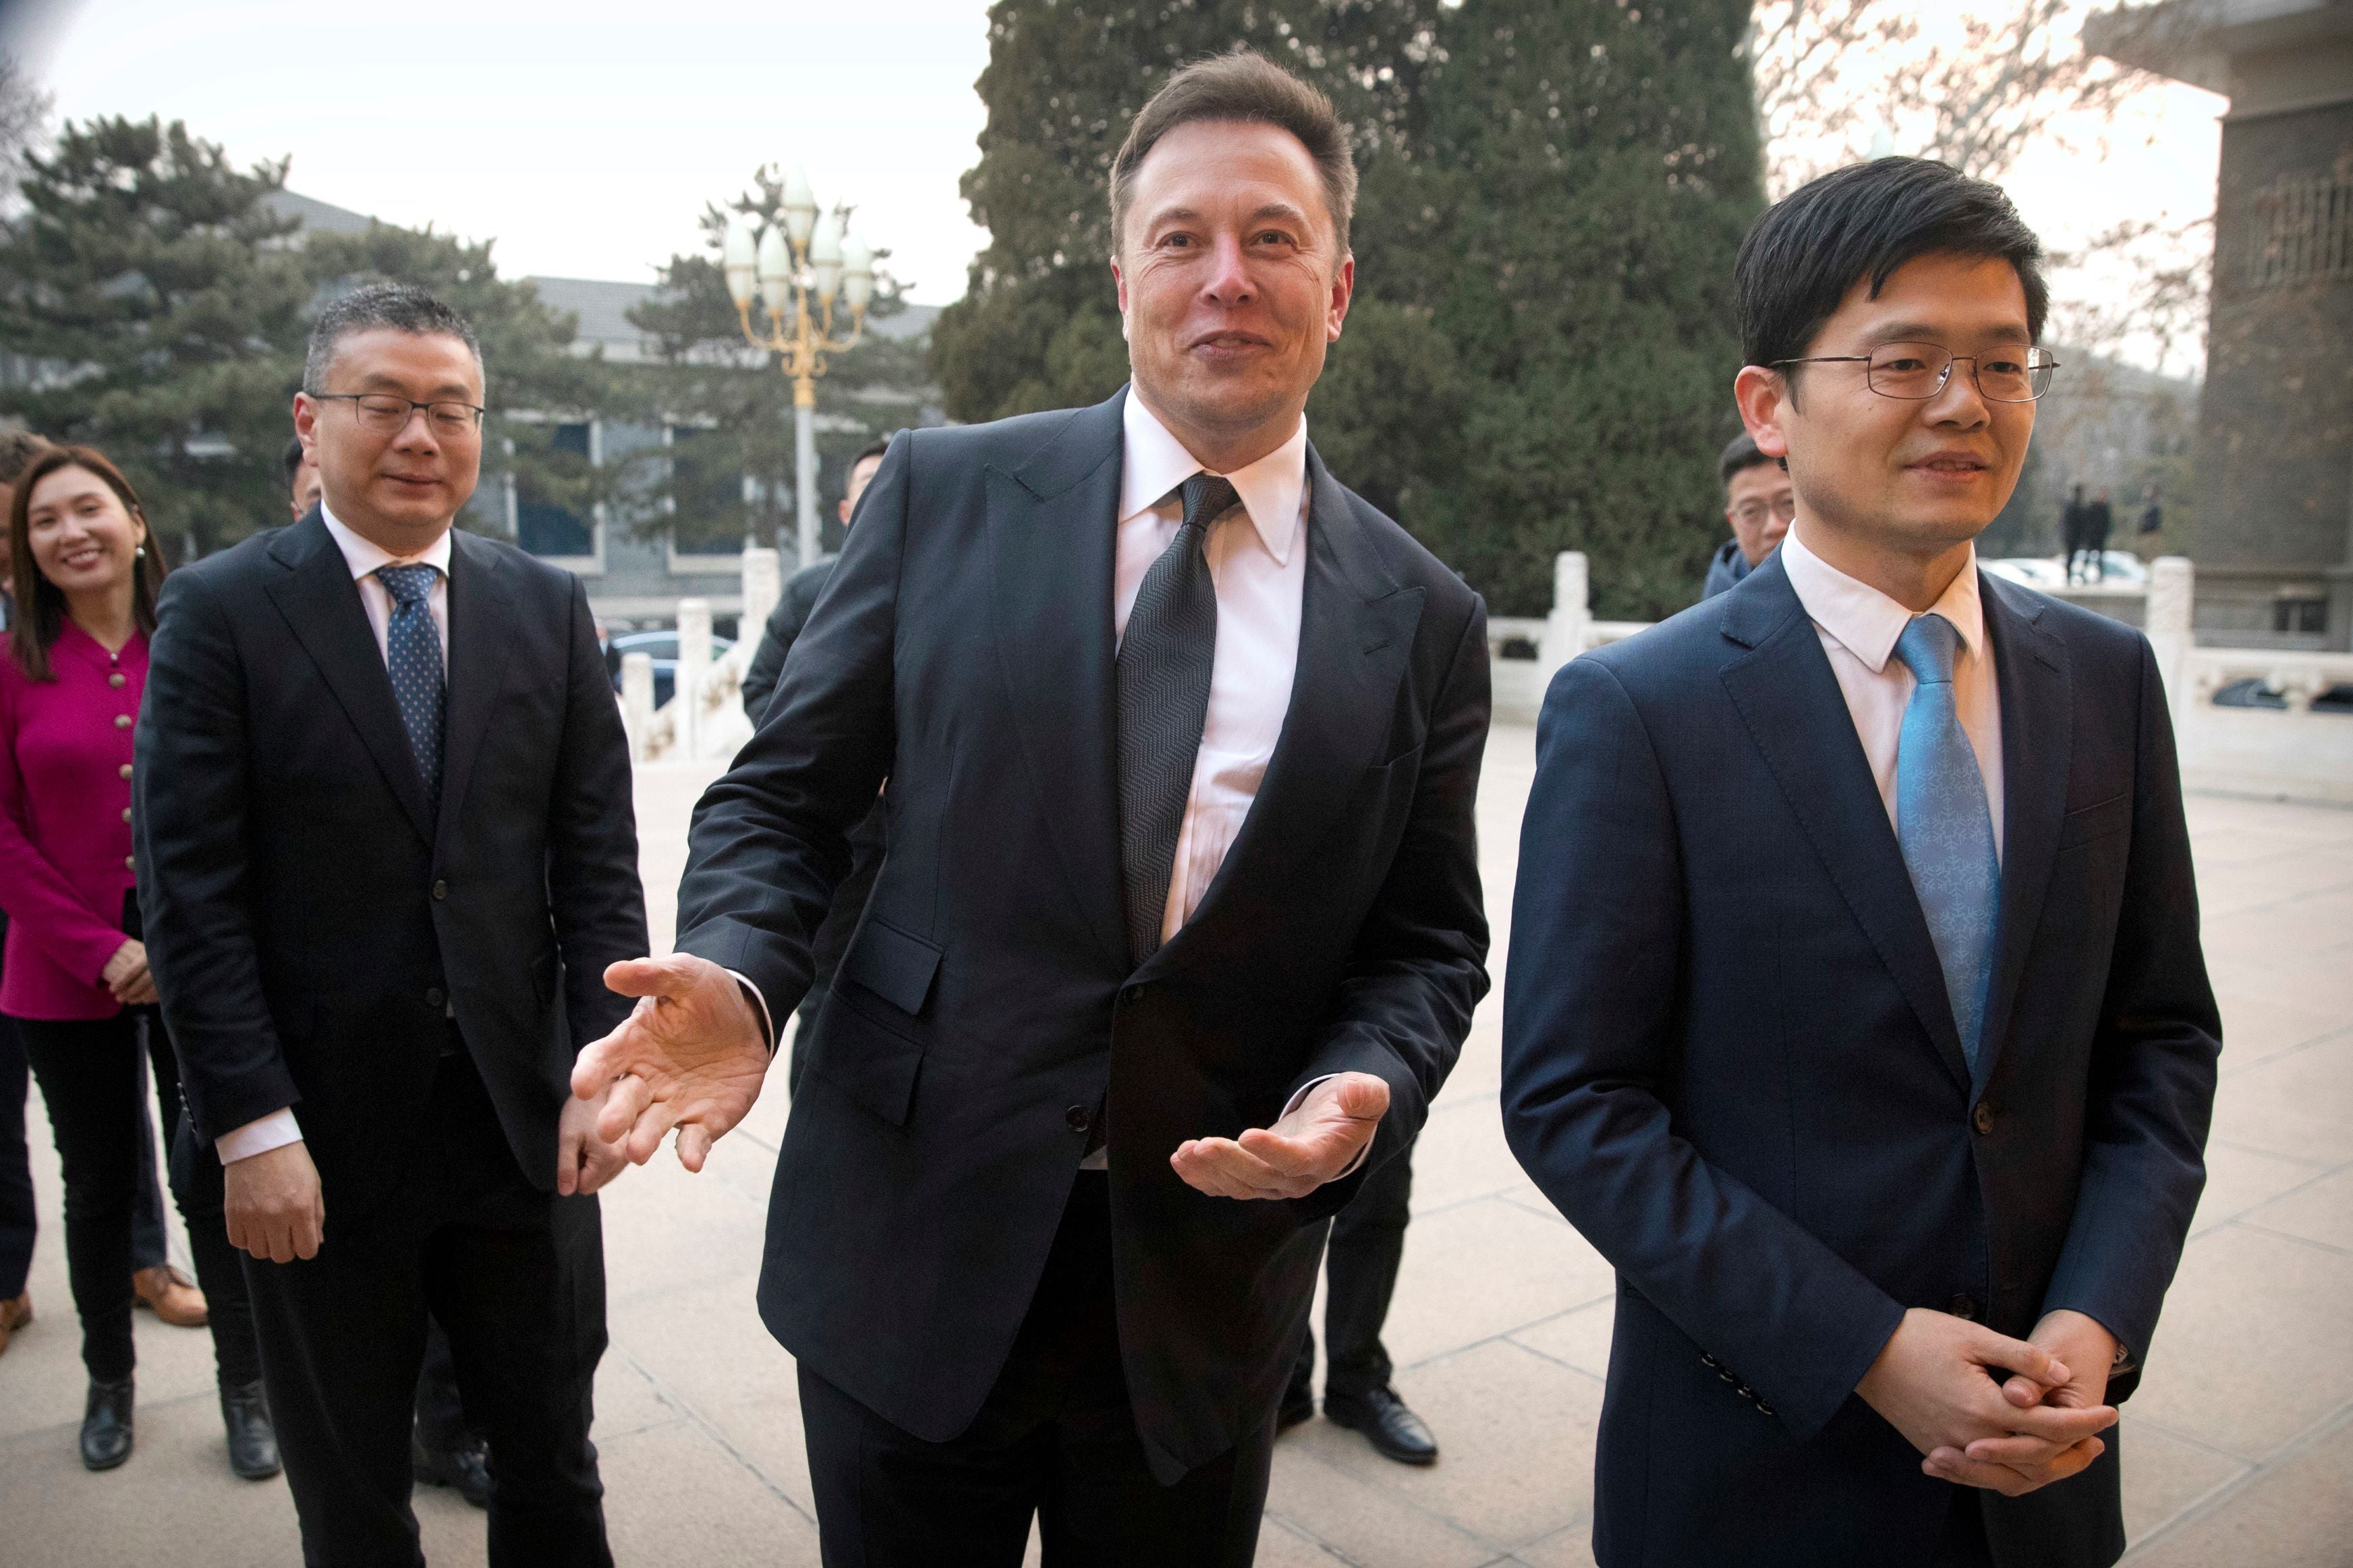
x: 1572, y: 614
x: 764, y: 583
x: 2166, y: 618
x: 637, y: 702
x: 693, y: 669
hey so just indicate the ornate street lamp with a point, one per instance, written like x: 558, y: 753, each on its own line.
x: 799, y: 266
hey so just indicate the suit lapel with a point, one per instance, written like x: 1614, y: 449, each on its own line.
x: 481, y: 614
x: 1357, y: 629
x: 2031, y: 675
x: 1790, y: 700
x: 1052, y: 538
x: 321, y: 605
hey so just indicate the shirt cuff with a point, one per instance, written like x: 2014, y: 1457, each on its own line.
x: 274, y: 1130
x: 767, y: 1019
x: 1300, y: 1099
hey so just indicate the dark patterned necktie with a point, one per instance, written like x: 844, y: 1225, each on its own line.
x: 1164, y: 660
x: 413, y: 655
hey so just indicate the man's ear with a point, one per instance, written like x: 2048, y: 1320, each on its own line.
x: 1765, y: 402
x: 1343, y: 290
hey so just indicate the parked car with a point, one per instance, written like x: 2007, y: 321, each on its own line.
x: 662, y: 647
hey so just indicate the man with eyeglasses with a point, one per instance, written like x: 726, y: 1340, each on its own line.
x: 1855, y: 1006
x: 1758, y: 503
x: 388, y: 850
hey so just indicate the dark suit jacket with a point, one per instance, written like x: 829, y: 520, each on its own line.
x: 308, y: 922
x: 964, y: 648
x: 776, y: 635
x: 1730, y: 1059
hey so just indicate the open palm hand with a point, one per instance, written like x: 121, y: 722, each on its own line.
x: 692, y: 1056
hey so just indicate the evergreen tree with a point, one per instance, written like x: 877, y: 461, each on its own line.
x: 163, y: 307
x: 708, y: 376
x: 1541, y: 351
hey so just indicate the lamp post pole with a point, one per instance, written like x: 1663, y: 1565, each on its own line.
x: 797, y: 267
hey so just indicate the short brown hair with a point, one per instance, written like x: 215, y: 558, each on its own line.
x: 1241, y: 84
x: 40, y: 607
x: 17, y: 448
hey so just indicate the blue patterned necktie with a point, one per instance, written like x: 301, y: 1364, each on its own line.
x: 1945, y: 826
x: 413, y: 655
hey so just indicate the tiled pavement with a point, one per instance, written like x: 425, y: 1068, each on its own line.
x: 2239, y: 1449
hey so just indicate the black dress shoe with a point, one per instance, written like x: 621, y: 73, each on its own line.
x: 1298, y: 1407
x: 252, y: 1439
x: 106, y: 1426
x: 1395, y: 1431
x: 465, y: 1466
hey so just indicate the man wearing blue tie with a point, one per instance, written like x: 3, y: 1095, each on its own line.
x: 1855, y: 1005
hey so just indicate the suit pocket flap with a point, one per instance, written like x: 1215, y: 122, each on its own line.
x: 2095, y: 821
x: 893, y: 965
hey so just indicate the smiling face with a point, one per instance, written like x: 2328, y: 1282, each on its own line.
x: 399, y: 489
x: 1760, y: 502
x: 1230, y: 286
x: 83, y: 538
x: 1903, y: 483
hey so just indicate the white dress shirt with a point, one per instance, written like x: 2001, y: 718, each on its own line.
x: 278, y: 1127
x: 1859, y: 626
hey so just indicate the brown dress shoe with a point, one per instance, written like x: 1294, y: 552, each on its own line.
x: 15, y: 1313
x: 170, y: 1295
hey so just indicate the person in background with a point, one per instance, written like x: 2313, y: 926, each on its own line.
x: 866, y: 846
x: 377, y: 1059
x: 1855, y: 1009
x: 2152, y: 512
x: 2099, y: 521
x: 301, y: 478
x: 1758, y: 503
x: 19, y: 1220
x: 2071, y: 527
x: 77, y: 979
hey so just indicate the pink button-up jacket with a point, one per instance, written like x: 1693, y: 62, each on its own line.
x: 65, y: 823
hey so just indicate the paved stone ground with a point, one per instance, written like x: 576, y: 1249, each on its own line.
x: 2238, y: 1450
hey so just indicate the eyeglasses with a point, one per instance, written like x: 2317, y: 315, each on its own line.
x: 384, y: 413
x: 1916, y: 372
x: 1755, y: 511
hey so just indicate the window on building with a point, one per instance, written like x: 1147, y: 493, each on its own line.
x: 543, y: 528
x: 707, y: 493
x: 2302, y: 616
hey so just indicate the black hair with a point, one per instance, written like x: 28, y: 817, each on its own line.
x: 1740, y: 453
x: 397, y: 305
x: 871, y: 450
x: 1863, y: 222
x: 291, y: 459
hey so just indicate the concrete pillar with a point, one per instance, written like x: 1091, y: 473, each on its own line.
x: 763, y: 584
x: 2165, y: 617
x: 638, y: 701
x: 1572, y: 614
x: 693, y: 670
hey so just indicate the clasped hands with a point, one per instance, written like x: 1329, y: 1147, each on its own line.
x: 1934, y: 1382
x: 692, y: 1056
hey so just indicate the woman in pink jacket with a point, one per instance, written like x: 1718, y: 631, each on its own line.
x: 76, y: 977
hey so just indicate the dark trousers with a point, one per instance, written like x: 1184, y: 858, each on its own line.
x: 516, y: 1278
x: 440, y: 1409
x: 19, y: 1223
x: 150, y: 1249
x: 90, y: 1076
x: 1360, y: 1270
x: 1056, y: 1440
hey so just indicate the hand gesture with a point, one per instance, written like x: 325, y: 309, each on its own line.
x: 584, y: 1161
x: 126, y: 975
x: 691, y: 1056
x: 1308, y: 1147
x: 273, y: 1205
x: 1934, y: 1383
x: 2087, y: 1350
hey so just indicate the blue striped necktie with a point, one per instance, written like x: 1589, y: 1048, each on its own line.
x: 413, y: 655
x: 1945, y: 826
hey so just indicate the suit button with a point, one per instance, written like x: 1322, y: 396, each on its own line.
x: 124, y: 770
x: 441, y: 889
x: 1079, y: 1117
x: 1963, y: 1307
x: 122, y: 721
x: 434, y: 996
x: 1983, y: 1118
x: 126, y: 814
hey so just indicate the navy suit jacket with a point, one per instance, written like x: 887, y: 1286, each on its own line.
x: 1728, y: 1059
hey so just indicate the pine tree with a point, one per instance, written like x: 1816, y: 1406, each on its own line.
x: 159, y: 296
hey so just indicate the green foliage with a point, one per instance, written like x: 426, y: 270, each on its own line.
x: 1541, y: 351
x: 740, y: 405
x: 161, y: 300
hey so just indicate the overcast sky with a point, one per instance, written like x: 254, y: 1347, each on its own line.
x: 585, y: 137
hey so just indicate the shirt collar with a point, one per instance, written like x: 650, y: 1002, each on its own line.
x: 1271, y: 488
x: 364, y: 557
x: 1865, y: 621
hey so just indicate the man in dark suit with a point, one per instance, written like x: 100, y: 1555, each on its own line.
x: 1856, y: 1010
x: 386, y: 851
x: 1180, y: 931
x: 777, y: 638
